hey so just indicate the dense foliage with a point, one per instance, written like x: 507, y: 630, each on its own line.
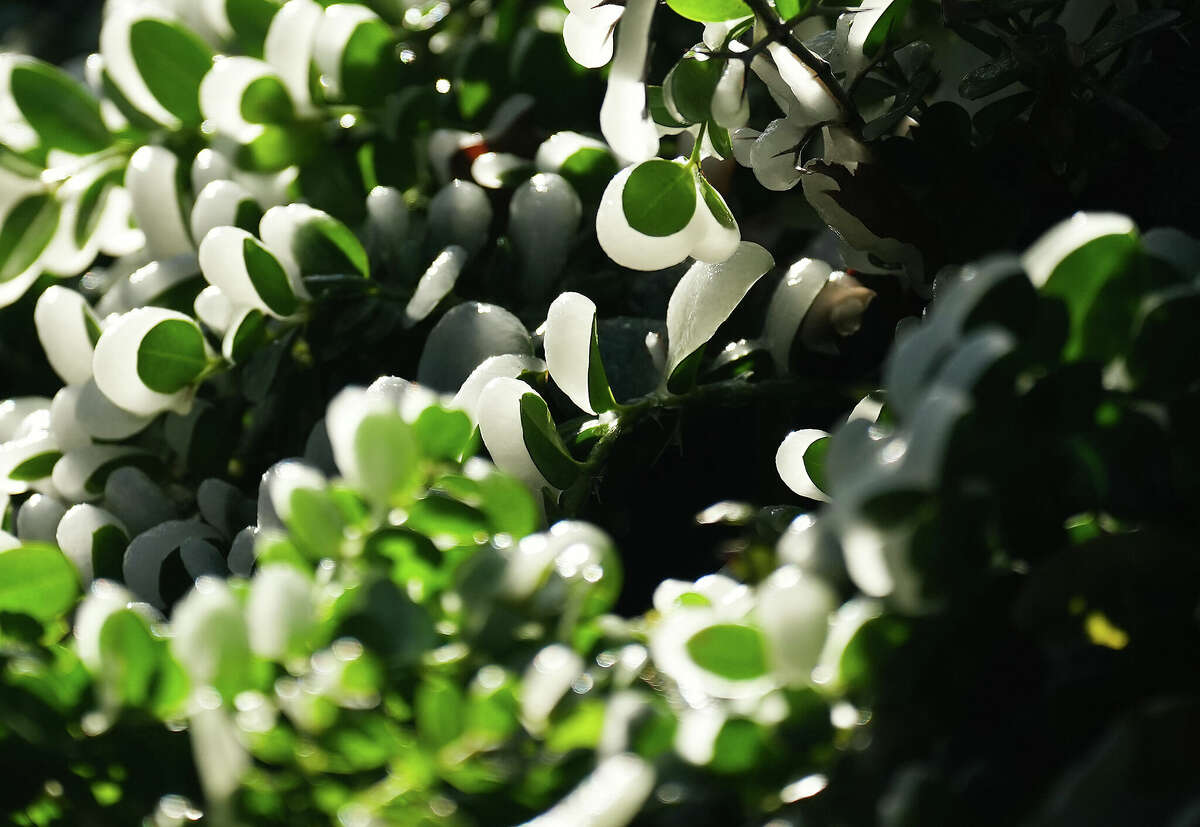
x: 502, y: 413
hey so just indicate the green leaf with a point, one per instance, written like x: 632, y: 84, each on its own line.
x: 315, y: 522
x: 388, y: 454
x: 814, y: 462
x: 738, y: 746
x: 250, y: 335
x: 730, y: 650
x: 171, y: 355
x: 369, y: 65
x: 325, y: 246
x: 108, y: 551
x: 709, y: 11
x: 37, y: 580
x: 447, y: 521
x: 1081, y: 279
x: 442, y: 433
x: 690, y: 84
x: 36, y: 467
x: 172, y: 61
x: 790, y: 8
x: 504, y: 501
x: 589, y: 170
x: 26, y: 231
x: 721, y: 141
x: 19, y: 163
x: 658, y: 108
x: 61, y: 111
x: 269, y: 279
x: 440, y: 712
x: 92, y: 203
x: 659, y: 197
x: 266, y: 100
x: 544, y: 445
x: 251, y: 19
x: 129, y: 657
x: 579, y: 729
x: 882, y: 30
x: 279, y: 147
x: 599, y: 392
x: 716, y: 204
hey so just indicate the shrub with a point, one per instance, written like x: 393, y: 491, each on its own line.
x: 327, y: 255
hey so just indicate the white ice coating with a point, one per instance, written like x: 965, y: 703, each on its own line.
x: 499, y: 419
x: 38, y: 518
x: 221, y: 93
x: 610, y: 796
x: 208, y: 166
x: 568, y: 345
x: 444, y: 144
x: 773, y: 155
x: 852, y: 30
x: 335, y: 30
x: 216, y: 17
x: 208, y: 630
x: 438, y: 280
x: 75, y: 534
x: 147, y: 283
x: 730, y: 106
x: 289, y: 47
x: 60, y: 318
x: 543, y: 218
x: 466, y: 335
x: 625, y: 115
x: 696, y: 735
x: 387, y: 215
x: 813, y: 101
x: 213, y: 308
x: 279, y: 227
x: 285, y: 477
x: 789, y: 305
x: 793, y: 612
x: 848, y: 619
x: 547, y: 679
x: 508, y: 365
x: 789, y: 462
x: 572, y: 544
x: 76, y: 467
x: 492, y: 169
x: 342, y: 418
x: 1041, y: 259
x: 460, y: 214
x: 706, y: 295
x: 223, y: 262
x: 279, y: 610
x: 15, y: 131
x: 63, y: 255
x: 117, y: 53
x: 240, y: 316
x: 115, y: 363
x: 150, y: 180
x: 588, y: 31
x: 726, y: 596
x: 81, y: 413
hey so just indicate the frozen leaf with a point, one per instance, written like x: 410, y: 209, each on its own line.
x: 624, y: 118
x: 573, y: 353
x: 437, y: 281
x: 508, y: 365
x: 153, y: 184
x: 463, y: 338
x: 68, y: 331
x: 588, y: 31
x: 461, y: 215
x: 249, y: 274
x: 94, y: 540
x: 543, y: 219
x: 289, y: 47
x: 147, y: 360
x: 790, y: 304
x: 312, y: 242
x: 38, y: 518
x: 793, y: 611
x: 279, y: 611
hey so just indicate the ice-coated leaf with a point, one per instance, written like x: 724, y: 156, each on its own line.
x: 732, y: 651
x: 38, y: 517
x: 460, y: 214
x: 156, y: 62
x: 463, y: 338
x: 214, y: 309
x: 247, y: 332
x: 373, y: 446
x: 66, y: 327
x: 705, y: 297
x: 793, y: 611
x: 102, y: 601
x: 707, y: 11
x: 312, y: 242
x: 249, y: 273
x: 20, y: 416
x: 240, y: 94
x: 501, y: 424
x: 789, y: 305
x: 81, y: 474
x: 800, y: 462
x: 1054, y: 247
x: 354, y: 52
x: 28, y: 222
x: 147, y: 553
x: 588, y: 31
x: 63, y: 113
x: 573, y: 353
x: 730, y: 105
x: 659, y: 197
x: 210, y: 639
x: 149, y: 283
x: 689, y: 87
x: 859, y: 33
x: 508, y: 365
x: 289, y: 47
x: 224, y: 204
x: 498, y: 170
x: 27, y: 457
x: 136, y: 500
x: 37, y: 580
x: 147, y: 359
x: 279, y: 611
x: 543, y: 218
x: 81, y: 413
x: 624, y: 117
x: 94, y: 540
x: 437, y: 281
x: 546, y: 681
x: 773, y: 155
x: 610, y: 796
x: 153, y: 184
